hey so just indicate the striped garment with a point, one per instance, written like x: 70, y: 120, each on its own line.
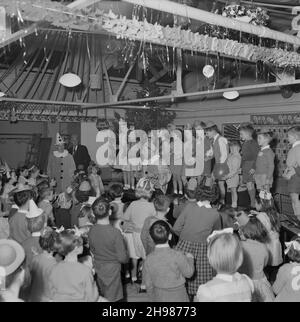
x: 226, y: 288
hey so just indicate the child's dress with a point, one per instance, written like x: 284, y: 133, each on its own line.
x: 234, y: 164
x: 256, y: 257
x: 62, y: 213
x: 193, y: 226
x: 137, y: 212
x: 97, y: 184
x: 274, y: 245
x: 287, y: 285
x: 164, y: 271
x: 226, y: 288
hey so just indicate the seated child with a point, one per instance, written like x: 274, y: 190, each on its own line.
x: 63, y: 205
x: 86, y: 217
x: 22, y: 174
x: 225, y: 255
x: 46, y: 197
x: 69, y: 280
x: 109, y: 251
x: 34, y: 172
x: 162, y: 206
x: 286, y: 286
x: 165, y: 269
x: 95, y: 179
x: 264, y: 167
x: 41, y: 266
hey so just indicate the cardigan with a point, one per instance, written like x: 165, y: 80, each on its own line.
x: 265, y: 163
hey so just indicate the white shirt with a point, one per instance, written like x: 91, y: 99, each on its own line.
x: 204, y: 204
x: 223, y: 147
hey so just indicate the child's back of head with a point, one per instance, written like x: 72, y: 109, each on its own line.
x: 160, y: 232
x: 162, y: 203
x: 116, y: 191
x: 47, y: 239
x: 255, y: 230
x: 101, y: 208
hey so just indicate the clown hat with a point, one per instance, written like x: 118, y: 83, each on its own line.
x: 12, y: 256
x: 34, y: 211
x: 59, y: 140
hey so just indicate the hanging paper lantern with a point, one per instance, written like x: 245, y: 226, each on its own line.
x: 232, y: 95
x: 70, y: 80
x: 208, y: 71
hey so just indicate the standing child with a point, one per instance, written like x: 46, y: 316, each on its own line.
x: 162, y: 207
x: 41, y: 266
x: 264, y: 166
x: 269, y: 217
x: 34, y: 172
x: 22, y: 175
x: 46, y: 197
x: 176, y: 165
x: 193, y: 226
x: 220, y: 152
x: 136, y: 213
x: 234, y: 165
x: 225, y: 255
x: 116, y: 193
x: 256, y: 257
x: 293, y: 164
x: 95, y: 179
x: 286, y: 286
x: 109, y: 251
x: 165, y: 269
x: 17, y: 222
x: 69, y: 280
x: 250, y: 151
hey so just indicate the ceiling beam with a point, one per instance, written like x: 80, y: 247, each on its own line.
x: 81, y: 4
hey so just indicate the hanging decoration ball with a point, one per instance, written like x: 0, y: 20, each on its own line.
x: 220, y: 170
x: 70, y: 80
x: 208, y: 71
x: 231, y: 95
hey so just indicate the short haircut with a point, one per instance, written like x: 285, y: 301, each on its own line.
x: 267, y: 135
x: 255, y: 230
x: 101, y: 208
x: 45, y: 192
x: 247, y: 128
x: 159, y: 232
x: 36, y: 224
x: 161, y: 203
x: 212, y: 128
x: 22, y: 197
x: 47, y: 239
x: 66, y: 242
x: 235, y: 143
x: 293, y: 254
x: 295, y: 130
x: 225, y: 253
x: 116, y: 190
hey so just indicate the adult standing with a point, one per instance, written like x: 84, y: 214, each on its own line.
x: 61, y: 165
x: 80, y: 154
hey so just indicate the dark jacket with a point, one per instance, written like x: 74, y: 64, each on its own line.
x: 81, y: 156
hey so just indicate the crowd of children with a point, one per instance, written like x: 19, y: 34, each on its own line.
x: 86, y: 241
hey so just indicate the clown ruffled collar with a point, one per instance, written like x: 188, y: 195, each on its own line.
x: 58, y: 154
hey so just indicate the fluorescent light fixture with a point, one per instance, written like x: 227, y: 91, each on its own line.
x: 70, y: 80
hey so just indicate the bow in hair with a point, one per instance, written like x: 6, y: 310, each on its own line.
x: 219, y: 232
x: 294, y: 243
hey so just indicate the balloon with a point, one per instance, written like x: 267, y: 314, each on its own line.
x: 220, y: 170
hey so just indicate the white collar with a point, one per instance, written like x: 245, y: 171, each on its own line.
x: 296, y: 143
x: 46, y: 200
x: 216, y: 137
x: 265, y: 147
x: 23, y: 211
x: 162, y: 246
x: 225, y: 277
x: 205, y: 204
x: 60, y: 154
x: 36, y: 234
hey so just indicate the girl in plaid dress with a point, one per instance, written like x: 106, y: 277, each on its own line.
x: 193, y: 226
